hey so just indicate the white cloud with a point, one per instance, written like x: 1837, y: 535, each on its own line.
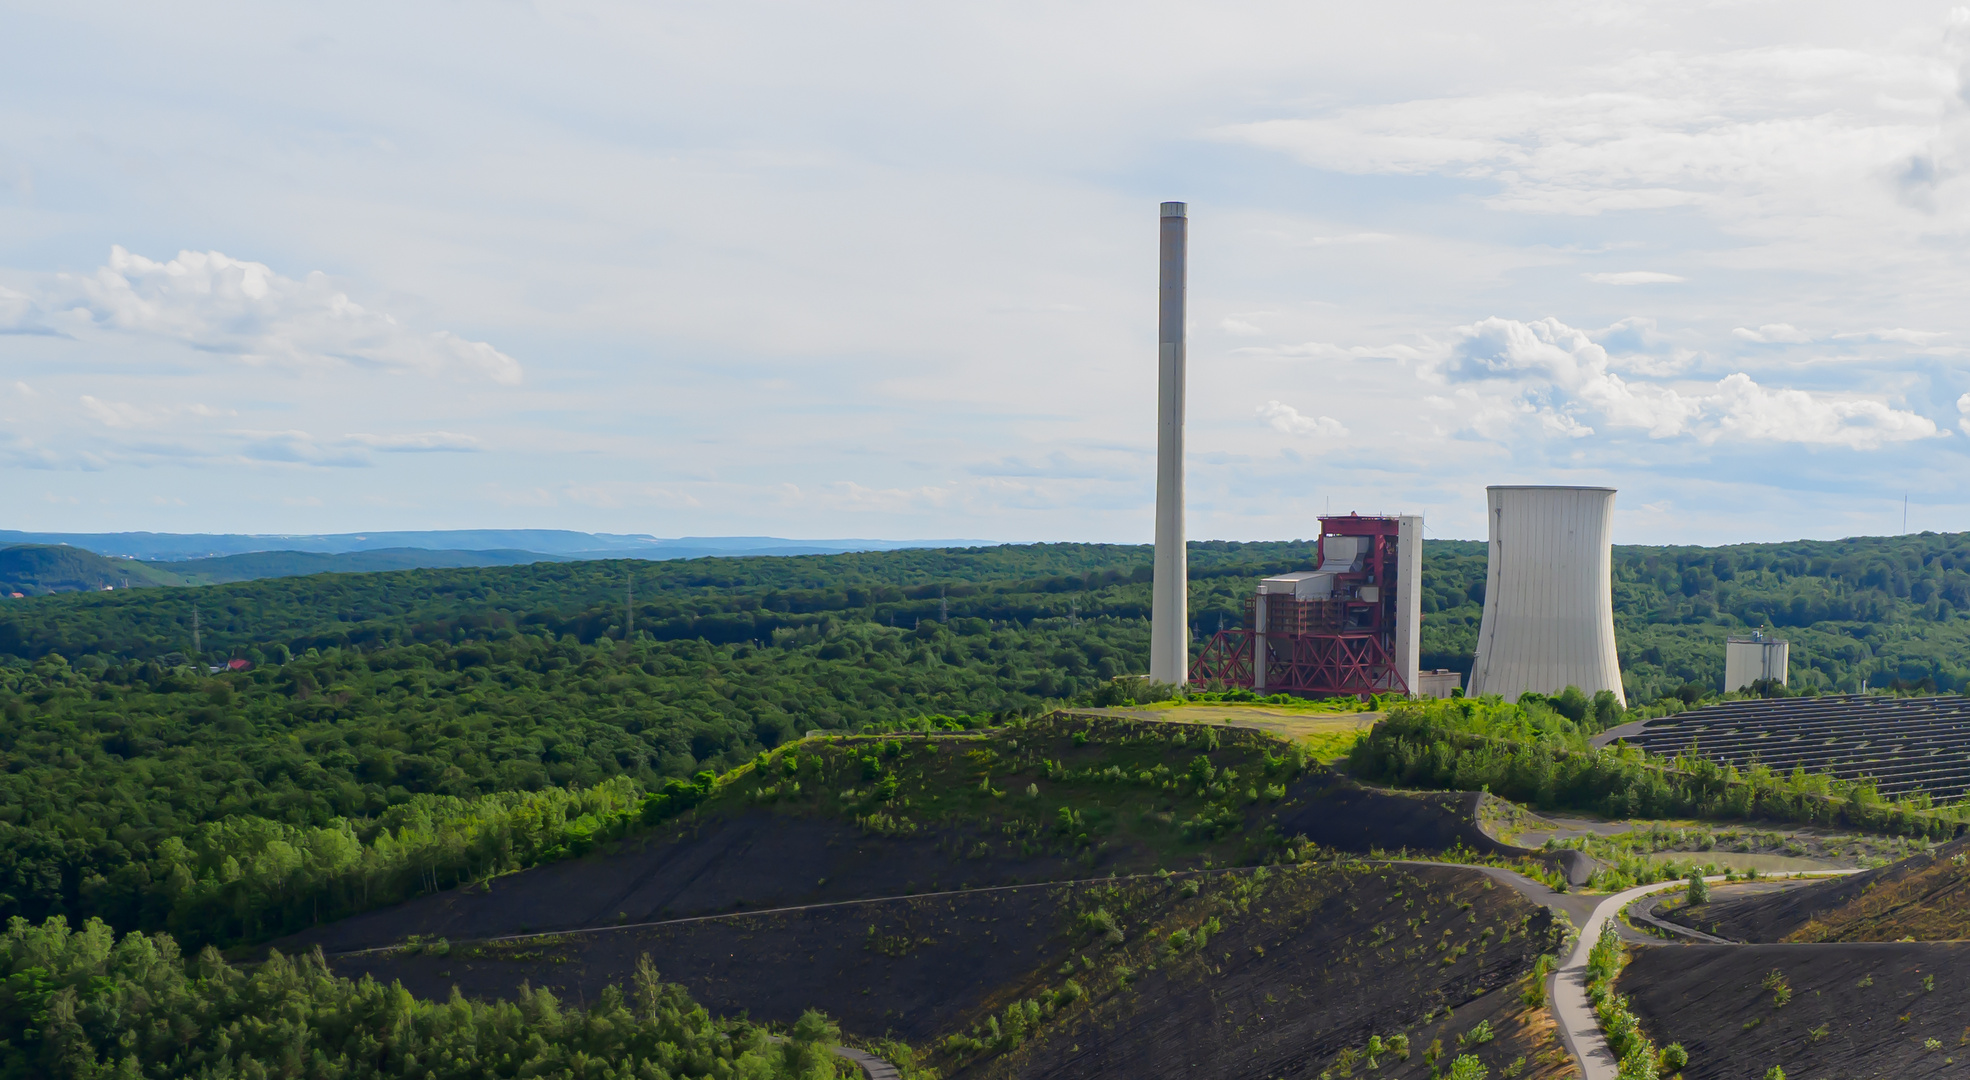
x: 297, y: 448
x: 122, y: 414
x: 1240, y: 327
x: 1773, y: 334
x: 116, y: 414
x: 1963, y: 406
x: 1288, y: 419
x: 1634, y: 277
x: 18, y: 314
x: 1558, y: 373
x: 421, y: 442
x: 1899, y: 335
x: 218, y: 304
x: 1853, y: 145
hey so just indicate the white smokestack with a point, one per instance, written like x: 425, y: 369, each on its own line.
x: 1169, y: 627
x: 1548, y: 594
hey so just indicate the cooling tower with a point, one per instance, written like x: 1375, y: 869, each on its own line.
x: 1548, y: 594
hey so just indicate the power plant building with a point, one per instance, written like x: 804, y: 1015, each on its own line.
x: 1548, y: 593
x: 1750, y: 659
x: 1350, y: 625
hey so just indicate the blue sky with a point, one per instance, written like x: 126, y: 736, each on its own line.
x: 888, y: 270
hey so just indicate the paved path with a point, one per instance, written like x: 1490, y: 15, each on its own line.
x: 1642, y: 913
x: 1572, y: 1011
x: 873, y: 1067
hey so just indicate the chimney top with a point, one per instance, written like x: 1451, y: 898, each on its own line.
x: 1174, y: 209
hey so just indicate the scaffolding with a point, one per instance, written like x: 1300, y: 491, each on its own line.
x: 1347, y: 627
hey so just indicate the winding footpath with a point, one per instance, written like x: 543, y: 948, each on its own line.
x: 1572, y: 1012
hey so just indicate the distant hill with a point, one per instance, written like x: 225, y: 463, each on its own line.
x: 40, y: 569
x: 273, y: 564
x: 181, y: 546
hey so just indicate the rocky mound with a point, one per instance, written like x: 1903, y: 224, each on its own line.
x: 1859, y: 1010
x: 807, y: 827
x: 1264, y: 972
x: 1924, y: 897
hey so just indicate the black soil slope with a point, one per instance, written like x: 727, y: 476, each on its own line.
x: 1301, y: 964
x: 750, y: 860
x: 1361, y: 820
x: 1769, y: 915
x: 1315, y: 972
x: 1859, y: 1010
x: 1349, y: 817
x: 761, y: 859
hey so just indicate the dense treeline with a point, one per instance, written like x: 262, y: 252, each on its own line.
x: 1533, y: 753
x: 1879, y: 609
x: 136, y: 786
x: 1885, y: 609
x: 83, y: 1003
x: 1890, y: 611
x: 724, y: 601
x: 118, y: 782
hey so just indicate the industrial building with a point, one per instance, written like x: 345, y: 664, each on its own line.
x: 1751, y: 659
x: 1351, y: 625
x: 1548, y: 593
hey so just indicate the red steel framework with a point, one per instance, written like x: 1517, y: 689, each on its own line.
x: 1342, y: 645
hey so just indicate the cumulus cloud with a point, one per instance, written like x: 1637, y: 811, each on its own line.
x: 1289, y: 420
x: 217, y: 304
x: 1634, y: 277
x: 1963, y: 407
x: 1560, y: 376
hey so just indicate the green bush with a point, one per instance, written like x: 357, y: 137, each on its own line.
x: 84, y: 1003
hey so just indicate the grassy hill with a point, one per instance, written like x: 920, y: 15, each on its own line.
x: 44, y: 569
x: 1005, y: 902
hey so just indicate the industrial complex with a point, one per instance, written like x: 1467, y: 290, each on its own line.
x: 1350, y: 623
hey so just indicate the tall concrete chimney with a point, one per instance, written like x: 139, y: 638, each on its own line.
x: 1169, y: 627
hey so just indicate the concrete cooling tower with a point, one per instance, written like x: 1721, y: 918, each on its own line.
x: 1548, y: 594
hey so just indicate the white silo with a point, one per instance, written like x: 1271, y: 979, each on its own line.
x: 1749, y: 659
x: 1548, y: 594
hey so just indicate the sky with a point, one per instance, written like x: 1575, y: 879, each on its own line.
x: 888, y: 270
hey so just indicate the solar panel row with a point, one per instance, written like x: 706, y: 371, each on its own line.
x: 1906, y: 745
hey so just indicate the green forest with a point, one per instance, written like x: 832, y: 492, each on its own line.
x: 1883, y: 609
x: 389, y: 718
x: 83, y: 1002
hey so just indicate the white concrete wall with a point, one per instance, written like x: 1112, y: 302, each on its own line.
x: 1548, y: 593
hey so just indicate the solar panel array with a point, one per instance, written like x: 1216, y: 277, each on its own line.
x: 1906, y: 744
